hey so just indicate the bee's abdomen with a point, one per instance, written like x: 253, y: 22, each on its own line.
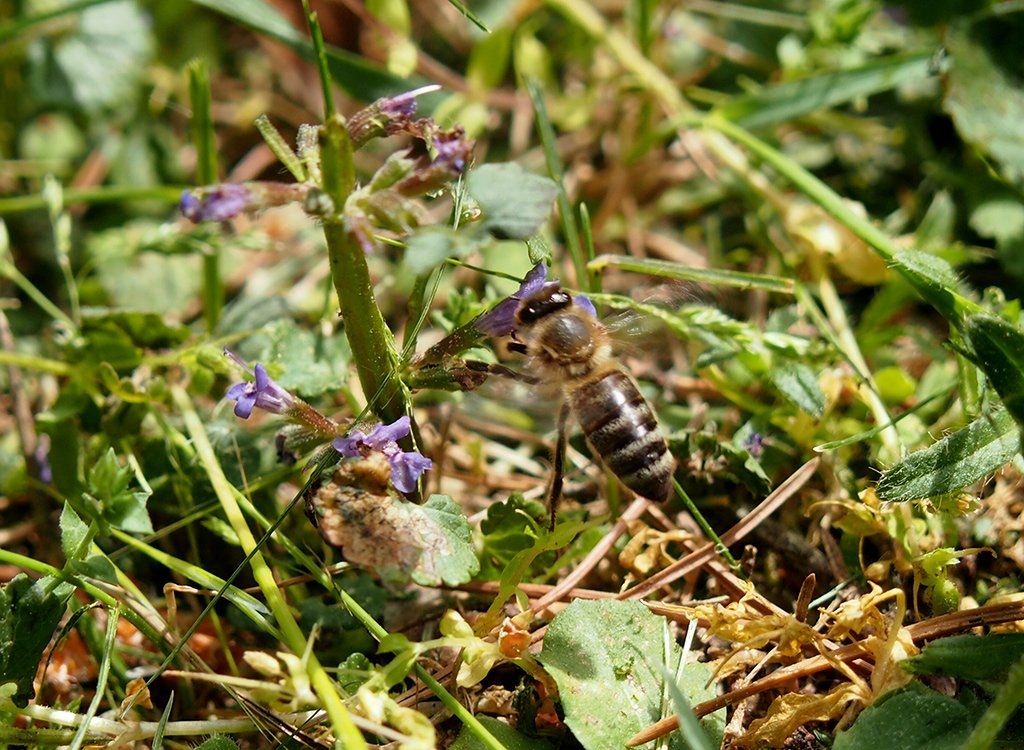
x: 622, y: 428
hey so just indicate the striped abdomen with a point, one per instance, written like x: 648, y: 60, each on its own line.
x: 622, y: 429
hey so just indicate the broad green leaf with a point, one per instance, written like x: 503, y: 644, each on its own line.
x: 606, y: 657
x: 503, y: 733
x: 350, y: 71
x: 998, y: 347
x: 712, y: 276
x: 309, y: 364
x: 969, y: 657
x: 954, y: 462
x: 911, y: 719
x: 796, y: 98
x: 429, y: 247
x: 29, y: 612
x: 515, y: 203
x: 983, y: 93
x: 797, y: 382
x: 456, y: 563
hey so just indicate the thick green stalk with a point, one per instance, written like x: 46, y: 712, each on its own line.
x: 372, y: 343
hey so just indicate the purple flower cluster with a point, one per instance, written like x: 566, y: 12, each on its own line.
x: 406, y: 466
x: 263, y: 393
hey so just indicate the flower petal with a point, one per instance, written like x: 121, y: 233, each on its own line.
x: 406, y: 469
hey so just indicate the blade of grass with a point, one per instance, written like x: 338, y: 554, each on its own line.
x: 101, y: 679
x: 711, y: 276
x: 797, y: 98
x: 469, y: 15
x: 570, y: 231
x: 18, y: 26
x: 206, y: 174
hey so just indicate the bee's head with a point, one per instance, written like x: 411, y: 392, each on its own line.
x: 550, y: 299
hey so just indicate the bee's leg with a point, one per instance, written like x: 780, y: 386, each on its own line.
x: 558, y: 473
x: 500, y: 371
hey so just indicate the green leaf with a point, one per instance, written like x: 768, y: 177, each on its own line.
x: 711, y: 276
x: 983, y: 93
x: 120, y: 507
x: 29, y: 612
x: 429, y: 247
x: 954, y: 462
x: 605, y: 657
x: 910, y: 719
x: 74, y: 534
x: 969, y: 657
x: 398, y: 540
x: 503, y: 733
x: 350, y: 71
x: 998, y: 349
x: 515, y: 203
x: 456, y: 562
x: 309, y: 364
x: 798, y: 383
x: 934, y: 279
x: 796, y: 98
x: 689, y: 725
x: 218, y: 742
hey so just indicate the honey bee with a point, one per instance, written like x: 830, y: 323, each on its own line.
x: 568, y: 347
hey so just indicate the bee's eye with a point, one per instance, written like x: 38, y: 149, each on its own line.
x: 543, y: 303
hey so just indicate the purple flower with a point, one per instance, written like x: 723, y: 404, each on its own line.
x: 261, y: 392
x: 215, y: 202
x: 584, y: 302
x: 453, y: 150
x: 406, y: 466
x: 227, y: 199
x: 404, y: 104
x: 42, y: 458
x: 500, y: 320
x: 754, y: 444
x: 388, y: 116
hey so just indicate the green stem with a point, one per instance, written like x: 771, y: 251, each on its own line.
x: 372, y: 343
x: 345, y: 730
x: 25, y: 361
x: 19, y: 204
x: 206, y: 174
x: 8, y: 269
x: 720, y: 548
x: 565, y: 211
